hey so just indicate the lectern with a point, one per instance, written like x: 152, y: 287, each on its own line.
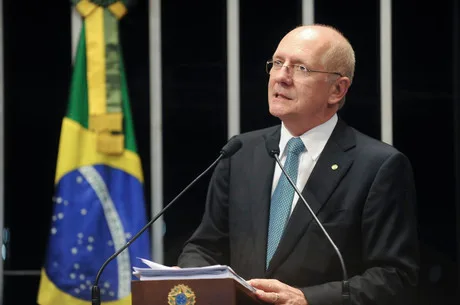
x: 225, y: 291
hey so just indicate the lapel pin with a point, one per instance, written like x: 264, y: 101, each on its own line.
x: 334, y: 167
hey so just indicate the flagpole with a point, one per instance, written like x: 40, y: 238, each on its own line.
x: 156, y: 132
x: 2, y: 141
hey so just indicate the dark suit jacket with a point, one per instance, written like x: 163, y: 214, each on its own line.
x: 367, y: 205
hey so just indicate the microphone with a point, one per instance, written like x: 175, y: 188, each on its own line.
x: 274, y: 151
x: 232, y: 146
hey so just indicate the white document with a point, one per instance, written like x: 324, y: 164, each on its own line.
x: 157, y: 271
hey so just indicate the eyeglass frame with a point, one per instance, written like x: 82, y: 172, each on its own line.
x: 307, y: 70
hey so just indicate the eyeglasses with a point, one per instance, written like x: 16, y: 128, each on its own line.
x: 299, y: 70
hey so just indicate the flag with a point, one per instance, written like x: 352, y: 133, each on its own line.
x: 98, y: 202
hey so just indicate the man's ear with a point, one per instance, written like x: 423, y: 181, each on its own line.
x: 339, y: 89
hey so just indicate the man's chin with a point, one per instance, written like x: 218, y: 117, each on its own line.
x: 277, y: 112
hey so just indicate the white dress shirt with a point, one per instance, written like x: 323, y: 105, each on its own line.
x: 314, y: 140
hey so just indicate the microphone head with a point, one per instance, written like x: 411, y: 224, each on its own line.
x: 272, y: 146
x: 232, y: 146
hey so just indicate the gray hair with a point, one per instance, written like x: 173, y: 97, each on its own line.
x: 339, y: 57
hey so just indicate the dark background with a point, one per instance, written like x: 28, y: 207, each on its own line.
x: 426, y: 115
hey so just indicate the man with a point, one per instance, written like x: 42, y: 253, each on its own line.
x: 362, y: 191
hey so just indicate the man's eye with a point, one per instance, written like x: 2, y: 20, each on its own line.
x: 302, y: 68
x: 278, y: 63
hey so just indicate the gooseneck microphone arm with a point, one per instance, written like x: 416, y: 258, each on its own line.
x: 273, y: 151
x: 232, y: 146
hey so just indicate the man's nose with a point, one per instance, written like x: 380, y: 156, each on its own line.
x: 284, y: 75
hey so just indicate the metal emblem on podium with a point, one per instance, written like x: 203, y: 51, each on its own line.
x: 181, y: 295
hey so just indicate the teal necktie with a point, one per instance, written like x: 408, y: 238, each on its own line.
x: 282, y: 197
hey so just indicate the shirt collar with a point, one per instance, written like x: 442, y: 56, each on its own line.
x: 314, y: 140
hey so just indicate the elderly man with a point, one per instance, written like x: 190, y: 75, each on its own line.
x: 361, y: 189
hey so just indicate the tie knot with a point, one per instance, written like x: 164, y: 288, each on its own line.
x: 295, y: 146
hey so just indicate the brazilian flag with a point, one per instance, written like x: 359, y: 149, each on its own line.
x: 99, y: 202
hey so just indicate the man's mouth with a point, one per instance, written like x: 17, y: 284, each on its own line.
x: 279, y: 95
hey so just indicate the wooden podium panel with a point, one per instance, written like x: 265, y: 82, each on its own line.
x: 207, y: 292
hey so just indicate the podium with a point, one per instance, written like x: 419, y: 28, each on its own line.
x: 225, y: 291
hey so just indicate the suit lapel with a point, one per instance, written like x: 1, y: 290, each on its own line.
x: 332, y: 165
x: 263, y: 168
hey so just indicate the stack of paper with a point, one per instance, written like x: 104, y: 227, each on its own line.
x: 160, y: 272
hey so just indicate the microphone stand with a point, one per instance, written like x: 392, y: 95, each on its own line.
x: 345, y: 284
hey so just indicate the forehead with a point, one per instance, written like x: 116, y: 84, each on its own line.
x: 305, y: 46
